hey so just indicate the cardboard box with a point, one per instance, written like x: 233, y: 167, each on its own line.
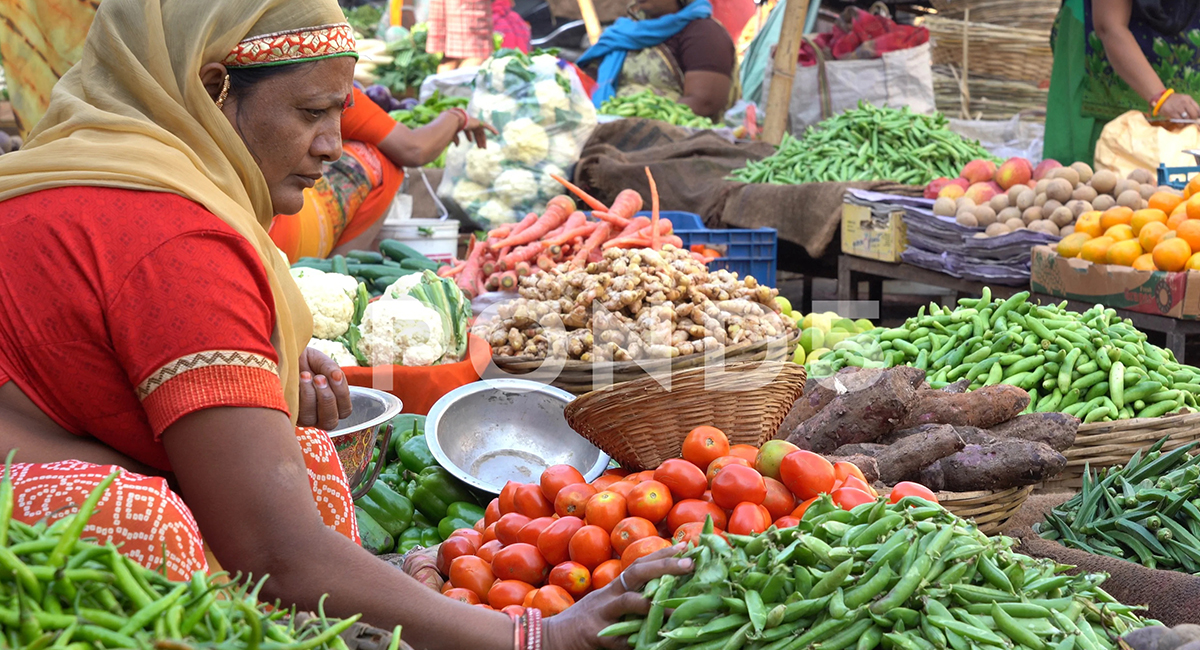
x: 1176, y: 295
x: 872, y: 234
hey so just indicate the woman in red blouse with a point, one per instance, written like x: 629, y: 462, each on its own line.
x: 148, y: 322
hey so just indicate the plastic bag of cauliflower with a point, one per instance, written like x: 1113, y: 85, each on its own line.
x: 544, y: 117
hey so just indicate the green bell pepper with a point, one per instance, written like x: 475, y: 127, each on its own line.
x: 421, y: 521
x: 430, y: 537
x: 465, y: 510
x: 374, y: 538
x: 404, y: 427
x: 415, y: 455
x: 409, y: 539
x: 436, y: 490
x: 392, y: 511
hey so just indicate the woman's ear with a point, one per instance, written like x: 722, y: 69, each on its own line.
x: 213, y: 76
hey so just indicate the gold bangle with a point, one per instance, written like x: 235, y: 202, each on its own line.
x: 1162, y: 100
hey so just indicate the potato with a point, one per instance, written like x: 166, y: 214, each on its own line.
x: 964, y: 202
x: 1103, y: 202
x: 1050, y: 206
x: 997, y: 229
x: 1014, y: 224
x: 1041, y: 199
x: 1014, y: 192
x: 1046, y: 226
x: 1078, y: 207
x: 1147, y: 191
x: 1007, y: 214
x: 1068, y: 174
x: 944, y: 207
x: 1062, y: 217
x: 985, y: 215
x: 1025, y: 199
x: 1142, y: 176
x: 1034, y: 213
x: 1084, y: 171
x: 1040, y: 186
x: 1060, y: 189
x: 1130, y: 199
x: 980, y: 235
x: 967, y: 219
x: 1124, y: 186
x: 1069, y: 230
x: 999, y: 202
x: 1103, y: 181
x: 1084, y: 193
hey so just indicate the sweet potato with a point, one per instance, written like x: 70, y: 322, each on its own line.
x: 861, y: 415
x: 904, y: 460
x: 959, y: 386
x: 933, y: 478
x: 983, y: 408
x: 1001, y: 465
x: 899, y: 434
x: 819, y: 392
x: 865, y: 464
x: 1054, y: 429
x: 860, y: 449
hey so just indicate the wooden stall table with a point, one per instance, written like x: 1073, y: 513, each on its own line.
x: 853, y: 270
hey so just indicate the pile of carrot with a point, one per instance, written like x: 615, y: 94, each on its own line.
x: 561, y: 235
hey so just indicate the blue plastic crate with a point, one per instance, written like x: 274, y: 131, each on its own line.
x: 747, y: 252
x: 1176, y: 177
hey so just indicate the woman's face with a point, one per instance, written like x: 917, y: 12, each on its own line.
x: 657, y: 8
x: 291, y: 123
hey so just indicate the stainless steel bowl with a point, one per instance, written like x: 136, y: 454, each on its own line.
x: 367, y: 428
x: 491, y: 432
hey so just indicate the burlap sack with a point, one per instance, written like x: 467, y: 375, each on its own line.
x: 1173, y: 597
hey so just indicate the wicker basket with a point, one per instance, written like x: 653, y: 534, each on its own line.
x: 1022, y: 14
x: 579, y: 377
x: 987, y: 99
x: 641, y: 424
x: 991, y: 509
x: 996, y: 51
x: 1103, y: 444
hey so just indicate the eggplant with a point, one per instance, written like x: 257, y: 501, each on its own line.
x: 380, y: 95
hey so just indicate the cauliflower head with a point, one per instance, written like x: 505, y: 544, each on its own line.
x: 495, y: 212
x: 329, y: 298
x: 401, y: 287
x: 483, y: 165
x: 402, y: 332
x: 563, y: 149
x: 490, y: 104
x: 525, y: 141
x: 335, y: 350
x: 545, y: 65
x: 496, y: 70
x: 550, y: 96
x: 467, y: 192
x: 548, y: 187
x: 515, y: 186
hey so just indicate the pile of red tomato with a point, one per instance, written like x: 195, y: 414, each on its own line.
x: 546, y: 545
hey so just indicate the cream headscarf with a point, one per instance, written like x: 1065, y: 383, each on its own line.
x: 134, y: 114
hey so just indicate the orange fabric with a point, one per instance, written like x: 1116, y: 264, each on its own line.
x: 147, y: 520
x: 365, y: 121
x: 204, y: 387
x: 378, y: 201
x: 419, y: 388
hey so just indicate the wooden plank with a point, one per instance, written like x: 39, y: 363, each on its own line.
x: 590, y: 21
x: 787, y: 51
x: 850, y: 266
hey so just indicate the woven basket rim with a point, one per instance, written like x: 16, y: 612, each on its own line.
x: 649, y: 382
x: 979, y: 494
x: 1134, y: 424
x: 619, y: 366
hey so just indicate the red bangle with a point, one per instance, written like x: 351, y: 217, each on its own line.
x: 518, y: 631
x: 463, y: 118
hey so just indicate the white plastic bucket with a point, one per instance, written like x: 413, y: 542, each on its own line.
x: 433, y: 238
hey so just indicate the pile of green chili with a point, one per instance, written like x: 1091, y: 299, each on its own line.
x: 868, y: 143
x: 1145, y: 512
x: 909, y: 576
x: 57, y: 591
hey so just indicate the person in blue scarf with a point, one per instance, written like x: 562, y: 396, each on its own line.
x: 671, y: 47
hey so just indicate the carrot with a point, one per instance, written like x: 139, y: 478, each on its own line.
x: 545, y: 263
x: 673, y: 240
x: 523, y: 269
x: 468, y: 279
x: 449, y: 271
x: 557, y: 212
x: 653, y: 211
x: 635, y: 224
x: 592, y: 202
x: 501, y: 231
x: 493, y: 283
x: 576, y: 220
x: 582, y: 231
x: 517, y: 228
x: 489, y: 267
x: 508, y: 280
x: 627, y: 204
x: 633, y: 241
x: 522, y: 254
x: 593, y: 242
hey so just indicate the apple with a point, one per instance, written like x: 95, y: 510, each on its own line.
x: 981, y: 193
x: 935, y: 186
x: 1014, y: 171
x: 1044, y: 168
x: 979, y: 171
x: 770, y: 455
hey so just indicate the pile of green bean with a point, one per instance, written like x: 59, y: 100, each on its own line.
x: 1145, y: 512
x: 868, y: 143
x: 57, y: 591
x: 1093, y: 365
x: 654, y: 107
x: 909, y: 576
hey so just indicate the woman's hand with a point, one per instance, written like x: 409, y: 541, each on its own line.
x: 1180, y: 107
x: 476, y: 131
x: 577, y: 627
x: 324, y: 391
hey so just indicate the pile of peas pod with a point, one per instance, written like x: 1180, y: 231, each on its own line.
x: 1093, y: 365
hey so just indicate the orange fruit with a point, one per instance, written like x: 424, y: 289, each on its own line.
x: 1143, y: 217
x: 1193, y: 263
x: 1178, y: 216
x: 1189, y: 231
x: 1124, y: 253
x: 1089, y: 223
x: 1150, y: 234
x: 1115, y: 217
x: 1120, y: 232
x: 1096, y: 250
x: 1172, y: 254
x: 1165, y: 201
x: 1145, y: 263
x: 1193, y: 187
x: 1072, y: 244
x: 1193, y: 206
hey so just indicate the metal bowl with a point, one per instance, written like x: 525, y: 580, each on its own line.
x: 491, y: 432
x: 356, y: 436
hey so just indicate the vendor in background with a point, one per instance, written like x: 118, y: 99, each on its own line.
x: 461, y: 31
x: 150, y: 329
x: 344, y: 210
x: 671, y: 47
x: 1113, y: 56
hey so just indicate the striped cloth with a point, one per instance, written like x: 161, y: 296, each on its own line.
x: 460, y: 29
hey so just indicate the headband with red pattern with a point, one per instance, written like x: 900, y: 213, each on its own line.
x: 293, y: 46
